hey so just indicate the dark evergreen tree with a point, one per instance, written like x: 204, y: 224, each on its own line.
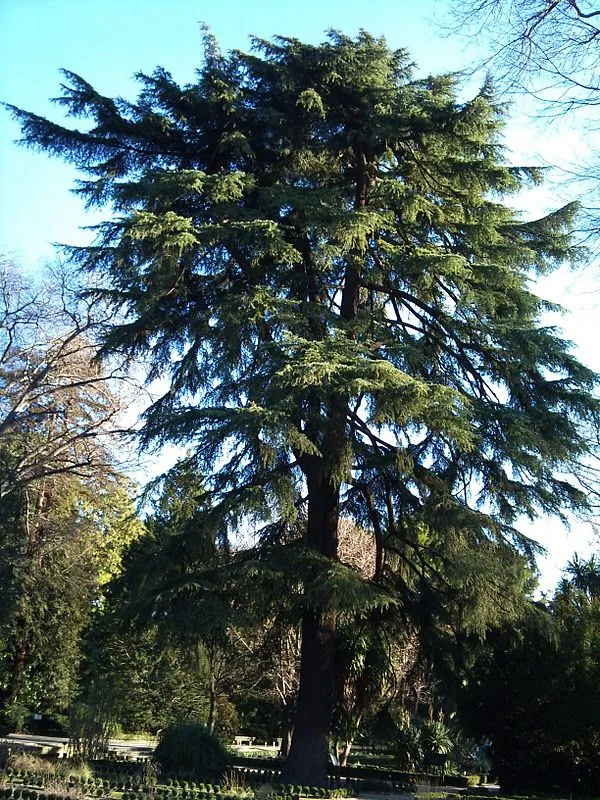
x: 311, y: 248
x: 172, y: 594
x: 533, y: 691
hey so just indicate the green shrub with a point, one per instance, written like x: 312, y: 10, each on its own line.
x: 408, y: 747
x: 188, y: 748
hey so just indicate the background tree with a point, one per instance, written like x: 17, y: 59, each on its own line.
x: 271, y: 639
x: 53, y: 565
x: 369, y: 672
x: 408, y: 668
x: 550, y: 52
x: 65, y: 511
x: 171, y: 598
x: 58, y: 408
x: 310, y: 248
x: 534, y: 692
x: 148, y: 681
x: 547, y: 48
x: 376, y: 652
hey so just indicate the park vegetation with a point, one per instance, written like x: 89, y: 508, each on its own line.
x: 313, y: 254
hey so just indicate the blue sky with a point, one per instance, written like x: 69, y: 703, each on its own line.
x: 107, y: 41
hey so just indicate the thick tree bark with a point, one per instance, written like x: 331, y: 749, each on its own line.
x: 308, y: 757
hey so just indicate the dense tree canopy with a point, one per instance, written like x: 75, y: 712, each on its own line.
x: 534, y: 690
x: 311, y: 248
x: 60, y: 542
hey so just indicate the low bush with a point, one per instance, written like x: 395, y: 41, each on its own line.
x: 75, y: 771
x: 188, y: 748
x: 27, y: 762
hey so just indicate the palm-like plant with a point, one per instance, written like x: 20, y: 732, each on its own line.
x: 408, y: 748
x: 436, y: 738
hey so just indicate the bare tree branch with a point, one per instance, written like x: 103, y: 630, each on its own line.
x: 59, y: 409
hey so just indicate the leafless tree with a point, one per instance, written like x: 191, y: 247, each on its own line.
x: 550, y: 48
x: 59, y: 409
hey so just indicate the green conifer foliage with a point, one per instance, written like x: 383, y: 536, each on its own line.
x: 312, y: 248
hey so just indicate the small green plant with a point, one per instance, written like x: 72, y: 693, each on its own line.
x: 437, y: 738
x: 408, y: 748
x: 78, y: 772
x: 234, y: 783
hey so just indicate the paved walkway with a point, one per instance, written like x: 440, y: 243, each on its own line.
x: 56, y: 745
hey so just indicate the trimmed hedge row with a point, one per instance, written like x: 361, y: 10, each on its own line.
x: 86, y: 783
x: 118, y: 765
x: 210, y: 793
x: 21, y: 793
x: 377, y: 776
x: 134, y: 787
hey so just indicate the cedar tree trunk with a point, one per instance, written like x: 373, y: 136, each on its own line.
x: 307, y: 760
